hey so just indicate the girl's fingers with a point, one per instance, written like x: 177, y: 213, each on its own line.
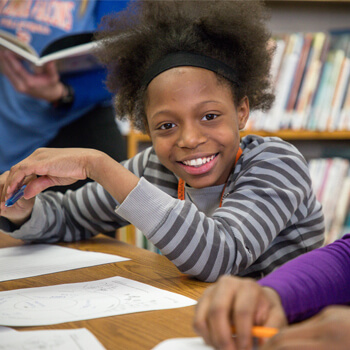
x: 246, y: 307
x: 219, y: 315
x: 212, y: 318
x: 200, y: 324
x: 234, y: 301
x: 275, y: 315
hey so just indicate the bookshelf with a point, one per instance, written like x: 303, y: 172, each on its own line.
x: 288, y: 18
x: 136, y: 139
x: 324, y: 142
x: 326, y: 149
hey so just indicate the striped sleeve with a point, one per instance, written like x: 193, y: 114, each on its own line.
x: 76, y: 215
x: 284, y: 220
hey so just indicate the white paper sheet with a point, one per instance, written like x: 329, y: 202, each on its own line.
x: 6, y: 329
x: 186, y: 344
x: 72, y: 339
x: 183, y: 344
x: 82, y: 301
x: 40, y: 259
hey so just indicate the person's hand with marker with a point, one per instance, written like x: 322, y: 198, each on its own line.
x: 240, y: 302
x: 54, y: 167
x: 48, y: 167
x: 15, y: 197
x: 13, y: 206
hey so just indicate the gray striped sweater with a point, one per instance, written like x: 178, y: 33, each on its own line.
x: 269, y: 213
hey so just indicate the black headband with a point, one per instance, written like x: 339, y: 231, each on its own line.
x: 181, y: 59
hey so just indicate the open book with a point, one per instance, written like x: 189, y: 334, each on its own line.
x: 72, y: 53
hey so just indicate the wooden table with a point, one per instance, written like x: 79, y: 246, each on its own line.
x: 135, y: 331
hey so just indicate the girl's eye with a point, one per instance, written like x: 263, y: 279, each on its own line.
x: 210, y: 116
x: 167, y: 126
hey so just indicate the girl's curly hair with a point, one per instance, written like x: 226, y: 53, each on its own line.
x: 233, y: 32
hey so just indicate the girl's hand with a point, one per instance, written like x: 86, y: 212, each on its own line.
x: 240, y: 302
x: 327, y: 330
x: 20, y: 211
x: 54, y: 167
x: 44, y: 84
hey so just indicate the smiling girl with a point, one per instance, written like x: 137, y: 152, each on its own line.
x: 188, y: 74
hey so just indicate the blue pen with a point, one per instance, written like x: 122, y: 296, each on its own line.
x: 15, y: 197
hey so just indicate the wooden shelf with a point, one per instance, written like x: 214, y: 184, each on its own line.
x: 134, y: 138
x: 308, y: 1
x: 301, y: 134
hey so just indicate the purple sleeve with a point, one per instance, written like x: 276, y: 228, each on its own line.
x: 314, y: 280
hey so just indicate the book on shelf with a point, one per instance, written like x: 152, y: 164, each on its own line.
x: 340, y: 112
x: 132, y: 235
x: 344, y: 123
x: 299, y: 72
x: 284, y: 79
x: 291, y: 61
x: 280, y: 45
x: 346, y: 228
x: 71, y: 53
x: 341, y: 214
x: 329, y: 80
x: 313, y: 71
x: 326, y: 123
x: 339, y: 95
x: 331, y: 184
x: 315, y: 120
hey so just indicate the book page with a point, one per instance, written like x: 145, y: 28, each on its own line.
x: 68, y: 339
x: 5, y: 330
x: 40, y: 259
x: 73, y: 53
x: 12, y: 39
x: 73, y: 59
x: 83, y: 301
x: 187, y: 344
x: 183, y: 344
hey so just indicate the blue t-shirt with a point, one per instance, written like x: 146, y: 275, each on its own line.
x: 27, y: 123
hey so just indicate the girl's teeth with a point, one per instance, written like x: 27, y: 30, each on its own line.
x: 199, y: 161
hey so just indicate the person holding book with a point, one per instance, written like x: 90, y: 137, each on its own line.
x: 43, y: 108
x: 212, y: 203
x: 298, y: 290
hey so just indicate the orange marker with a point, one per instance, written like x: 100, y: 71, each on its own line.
x: 261, y: 332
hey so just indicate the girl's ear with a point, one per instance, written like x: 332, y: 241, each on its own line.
x: 243, y: 112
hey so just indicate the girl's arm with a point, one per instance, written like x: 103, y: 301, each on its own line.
x: 66, y: 217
